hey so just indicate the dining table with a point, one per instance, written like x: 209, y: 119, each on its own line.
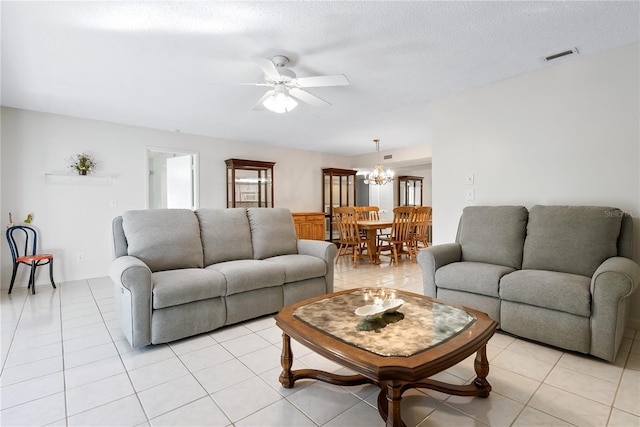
x: 372, y: 226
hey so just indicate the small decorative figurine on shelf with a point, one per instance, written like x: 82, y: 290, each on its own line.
x: 11, y: 223
x: 29, y: 219
x: 83, y: 163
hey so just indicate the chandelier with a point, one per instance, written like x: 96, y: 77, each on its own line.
x: 378, y: 176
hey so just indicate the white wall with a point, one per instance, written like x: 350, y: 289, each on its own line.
x: 77, y: 218
x: 416, y: 155
x: 569, y: 134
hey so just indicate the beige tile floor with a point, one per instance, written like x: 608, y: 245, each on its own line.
x: 65, y: 362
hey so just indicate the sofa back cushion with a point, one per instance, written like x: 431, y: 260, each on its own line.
x: 226, y: 235
x: 493, y: 234
x: 272, y: 232
x: 164, y: 239
x: 571, y: 239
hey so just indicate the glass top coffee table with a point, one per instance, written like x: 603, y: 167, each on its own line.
x: 397, y: 350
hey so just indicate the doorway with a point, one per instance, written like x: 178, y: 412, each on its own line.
x: 172, y: 178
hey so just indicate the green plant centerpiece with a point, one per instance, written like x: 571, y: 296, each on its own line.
x: 83, y: 163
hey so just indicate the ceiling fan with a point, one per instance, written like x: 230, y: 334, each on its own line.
x: 287, y: 87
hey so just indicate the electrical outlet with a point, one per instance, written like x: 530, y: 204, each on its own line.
x: 80, y: 256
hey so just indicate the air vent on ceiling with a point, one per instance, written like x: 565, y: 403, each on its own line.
x: 388, y: 156
x: 561, y: 54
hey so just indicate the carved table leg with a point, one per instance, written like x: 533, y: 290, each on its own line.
x: 389, y: 404
x: 286, y: 361
x: 481, y: 366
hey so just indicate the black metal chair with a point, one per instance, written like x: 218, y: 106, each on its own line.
x: 27, y: 255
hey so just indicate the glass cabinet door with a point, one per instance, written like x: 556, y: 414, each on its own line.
x: 249, y: 183
x: 339, y: 189
x: 410, y: 190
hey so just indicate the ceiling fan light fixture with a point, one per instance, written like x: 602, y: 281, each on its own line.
x: 289, y: 89
x: 279, y: 101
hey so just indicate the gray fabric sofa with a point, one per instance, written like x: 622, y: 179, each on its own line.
x: 179, y: 273
x: 560, y: 275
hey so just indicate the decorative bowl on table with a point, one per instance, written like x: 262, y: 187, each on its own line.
x: 381, y: 307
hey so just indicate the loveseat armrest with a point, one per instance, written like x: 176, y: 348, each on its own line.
x: 611, y: 286
x: 434, y: 257
x: 318, y: 248
x: 133, y: 286
x: 327, y: 251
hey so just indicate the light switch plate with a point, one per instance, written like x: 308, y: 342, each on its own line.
x: 470, y: 179
x: 470, y: 194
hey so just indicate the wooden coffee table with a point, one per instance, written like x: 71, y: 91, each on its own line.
x: 397, y: 351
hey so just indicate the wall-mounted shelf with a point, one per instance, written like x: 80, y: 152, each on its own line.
x: 66, y: 179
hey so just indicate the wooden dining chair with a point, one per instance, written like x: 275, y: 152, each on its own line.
x: 400, y: 236
x: 420, y: 232
x: 366, y: 213
x: 23, y: 243
x: 346, y: 218
x: 369, y: 213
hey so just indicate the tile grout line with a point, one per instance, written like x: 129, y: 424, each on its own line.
x: 13, y: 335
x: 619, y: 385
x: 58, y: 291
x: 126, y: 370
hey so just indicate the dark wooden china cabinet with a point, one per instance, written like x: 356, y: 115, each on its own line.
x: 410, y: 190
x: 338, y: 189
x: 249, y: 183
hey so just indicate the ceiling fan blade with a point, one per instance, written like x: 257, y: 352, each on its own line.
x: 319, y: 81
x: 236, y: 84
x: 259, y: 106
x: 310, y: 99
x: 268, y: 67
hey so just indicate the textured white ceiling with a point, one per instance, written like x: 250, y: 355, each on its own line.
x: 176, y: 65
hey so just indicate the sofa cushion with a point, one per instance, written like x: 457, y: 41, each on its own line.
x: 493, y: 234
x: 300, y: 267
x: 475, y: 277
x: 548, y: 289
x: 249, y: 274
x: 164, y: 239
x: 175, y: 287
x: 272, y: 232
x: 553, y: 327
x: 571, y: 239
x: 225, y: 233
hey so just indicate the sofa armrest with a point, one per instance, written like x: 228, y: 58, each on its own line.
x: 318, y: 248
x: 327, y: 251
x: 611, y: 286
x: 434, y: 257
x: 132, y: 279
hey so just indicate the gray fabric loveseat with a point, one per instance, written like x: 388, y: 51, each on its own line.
x: 179, y: 273
x: 561, y: 275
